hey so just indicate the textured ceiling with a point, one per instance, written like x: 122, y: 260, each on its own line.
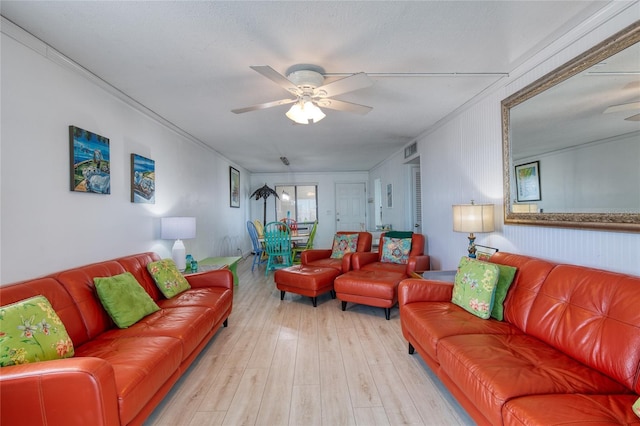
x: 189, y: 63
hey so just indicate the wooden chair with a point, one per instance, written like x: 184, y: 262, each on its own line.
x: 297, y: 250
x: 260, y: 256
x: 291, y: 223
x: 277, y: 244
x: 259, y: 228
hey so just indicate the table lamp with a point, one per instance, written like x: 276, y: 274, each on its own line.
x: 473, y: 218
x: 178, y: 228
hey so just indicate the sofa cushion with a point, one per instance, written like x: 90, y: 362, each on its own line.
x: 505, y: 278
x: 141, y: 367
x: 474, y: 286
x: 429, y: 322
x: 168, y: 278
x: 188, y: 324
x: 343, y: 244
x: 576, y: 305
x: 493, y: 368
x: 124, y: 299
x: 31, y: 331
x: 580, y: 409
x: 395, y: 250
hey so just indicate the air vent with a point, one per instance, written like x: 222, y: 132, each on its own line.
x: 410, y: 150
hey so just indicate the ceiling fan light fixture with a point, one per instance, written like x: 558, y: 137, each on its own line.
x: 303, y: 112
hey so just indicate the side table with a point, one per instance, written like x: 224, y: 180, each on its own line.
x: 447, y: 276
x: 210, y: 263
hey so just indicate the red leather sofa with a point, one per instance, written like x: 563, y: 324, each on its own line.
x: 567, y: 352
x: 117, y: 376
x: 322, y: 257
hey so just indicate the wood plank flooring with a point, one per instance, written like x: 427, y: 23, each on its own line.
x: 288, y: 363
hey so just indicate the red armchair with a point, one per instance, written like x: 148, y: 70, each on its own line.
x: 322, y: 257
x: 375, y: 283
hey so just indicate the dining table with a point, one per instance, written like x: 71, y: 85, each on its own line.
x: 295, y: 238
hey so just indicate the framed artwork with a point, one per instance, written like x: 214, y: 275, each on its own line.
x: 528, y: 181
x: 143, y: 180
x: 234, y: 187
x: 90, y: 164
x: 389, y: 195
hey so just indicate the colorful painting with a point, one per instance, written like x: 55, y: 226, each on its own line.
x: 143, y: 180
x: 234, y: 187
x: 528, y: 181
x: 90, y: 166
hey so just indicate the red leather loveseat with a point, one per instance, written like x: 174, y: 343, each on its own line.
x: 117, y: 376
x: 567, y: 352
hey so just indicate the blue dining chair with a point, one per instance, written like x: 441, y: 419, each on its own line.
x: 260, y: 257
x: 277, y: 244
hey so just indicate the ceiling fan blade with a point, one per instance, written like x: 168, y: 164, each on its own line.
x: 276, y: 77
x: 263, y: 106
x: 622, y: 107
x: 344, y: 106
x: 348, y: 84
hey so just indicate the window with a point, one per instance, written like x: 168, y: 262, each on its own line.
x: 299, y: 201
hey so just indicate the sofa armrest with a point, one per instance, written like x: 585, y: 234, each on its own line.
x: 418, y: 263
x: 362, y: 258
x: 314, y: 254
x: 217, y: 278
x: 72, y: 391
x: 419, y: 290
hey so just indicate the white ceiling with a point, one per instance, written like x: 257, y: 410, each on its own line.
x: 189, y: 61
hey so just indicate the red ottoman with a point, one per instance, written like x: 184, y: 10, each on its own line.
x: 374, y: 288
x: 306, y: 280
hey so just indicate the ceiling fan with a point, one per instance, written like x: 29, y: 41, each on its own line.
x: 306, y: 83
x: 629, y: 106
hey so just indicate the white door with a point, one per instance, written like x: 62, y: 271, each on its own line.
x: 351, y: 207
x: 416, y: 193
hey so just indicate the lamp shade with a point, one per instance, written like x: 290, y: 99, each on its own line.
x: 304, y: 111
x: 473, y: 218
x: 177, y: 228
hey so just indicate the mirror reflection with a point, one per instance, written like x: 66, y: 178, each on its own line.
x: 585, y: 134
x: 571, y: 141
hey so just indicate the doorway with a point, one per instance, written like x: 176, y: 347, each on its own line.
x: 351, y: 206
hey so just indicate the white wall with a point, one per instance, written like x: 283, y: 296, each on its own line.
x: 326, y: 197
x: 462, y: 160
x: 44, y: 227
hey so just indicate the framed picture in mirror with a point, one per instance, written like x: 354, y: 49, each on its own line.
x: 528, y: 181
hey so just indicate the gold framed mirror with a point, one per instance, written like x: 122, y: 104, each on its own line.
x: 573, y: 136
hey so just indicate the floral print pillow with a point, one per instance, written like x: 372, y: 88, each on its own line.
x: 396, y: 250
x: 343, y: 244
x: 636, y: 407
x: 31, y: 331
x: 167, y: 277
x: 474, y: 286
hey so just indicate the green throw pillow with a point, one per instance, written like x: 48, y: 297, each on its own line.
x: 395, y: 250
x: 31, y: 331
x: 124, y: 299
x: 636, y: 407
x: 167, y: 277
x: 474, y: 286
x: 507, y: 273
x: 398, y: 234
x: 343, y: 244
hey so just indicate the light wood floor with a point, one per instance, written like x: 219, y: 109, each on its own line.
x: 287, y: 363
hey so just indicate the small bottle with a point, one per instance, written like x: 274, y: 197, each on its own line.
x: 188, y: 261
x: 194, y: 265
